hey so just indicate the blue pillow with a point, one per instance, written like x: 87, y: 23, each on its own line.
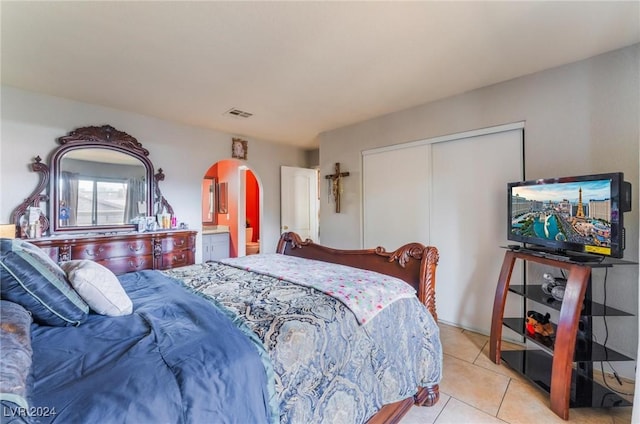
x: 33, y: 280
x: 15, y: 339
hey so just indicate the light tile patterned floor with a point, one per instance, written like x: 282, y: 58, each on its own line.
x: 474, y: 390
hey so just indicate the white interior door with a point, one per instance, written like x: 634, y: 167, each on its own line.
x: 299, y: 201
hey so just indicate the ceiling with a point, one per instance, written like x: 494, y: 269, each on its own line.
x: 300, y: 67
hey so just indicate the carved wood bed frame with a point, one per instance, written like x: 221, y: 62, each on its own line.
x: 413, y: 263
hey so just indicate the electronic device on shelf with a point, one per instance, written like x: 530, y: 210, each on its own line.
x: 579, y: 217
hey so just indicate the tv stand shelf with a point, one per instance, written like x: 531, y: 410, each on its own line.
x: 585, y: 351
x: 534, y: 292
x: 584, y: 392
x: 561, y: 364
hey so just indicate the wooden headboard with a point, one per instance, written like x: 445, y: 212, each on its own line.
x: 413, y: 262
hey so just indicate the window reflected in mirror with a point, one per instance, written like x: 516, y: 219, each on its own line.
x: 100, y: 187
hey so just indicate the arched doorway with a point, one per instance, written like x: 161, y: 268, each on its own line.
x: 237, y: 194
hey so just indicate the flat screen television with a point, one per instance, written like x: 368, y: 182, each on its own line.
x: 581, y: 214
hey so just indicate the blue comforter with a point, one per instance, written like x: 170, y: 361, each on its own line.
x: 177, y: 361
x: 327, y: 367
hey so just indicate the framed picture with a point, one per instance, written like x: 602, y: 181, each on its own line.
x: 239, y: 148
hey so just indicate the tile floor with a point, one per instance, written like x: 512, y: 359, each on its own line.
x: 475, y: 390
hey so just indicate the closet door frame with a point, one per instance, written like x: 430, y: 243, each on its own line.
x: 520, y: 125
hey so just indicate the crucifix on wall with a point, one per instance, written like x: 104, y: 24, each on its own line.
x: 335, y: 187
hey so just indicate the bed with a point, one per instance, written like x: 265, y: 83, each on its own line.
x: 263, y: 338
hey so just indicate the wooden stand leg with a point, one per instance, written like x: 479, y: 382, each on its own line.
x: 495, y: 341
x: 565, y: 342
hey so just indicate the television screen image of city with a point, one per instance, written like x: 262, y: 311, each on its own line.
x: 575, y: 212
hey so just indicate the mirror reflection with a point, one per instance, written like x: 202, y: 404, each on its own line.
x: 100, y: 187
x: 209, y: 200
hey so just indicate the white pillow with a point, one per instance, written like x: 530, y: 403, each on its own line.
x: 98, y: 286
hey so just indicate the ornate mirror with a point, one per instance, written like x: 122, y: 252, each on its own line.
x: 101, y: 179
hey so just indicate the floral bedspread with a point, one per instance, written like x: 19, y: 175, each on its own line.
x: 327, y: 367
x: 364, y: 292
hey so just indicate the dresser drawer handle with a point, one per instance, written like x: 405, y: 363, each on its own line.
x: 180, y: 242
x: 93, y: 252
x: 179, y: 259
x: 135, y: 265
x: 136, y: 248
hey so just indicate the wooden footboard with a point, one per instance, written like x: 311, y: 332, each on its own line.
x: 413, y: 263
x: 392, y: 413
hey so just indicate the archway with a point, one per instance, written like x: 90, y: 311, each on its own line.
x: 238, y: 205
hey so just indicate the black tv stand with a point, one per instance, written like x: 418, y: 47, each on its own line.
x: 562, y: 364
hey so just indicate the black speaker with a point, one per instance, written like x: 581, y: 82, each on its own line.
x: 625, y: 197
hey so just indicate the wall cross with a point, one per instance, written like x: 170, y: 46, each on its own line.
x: 336, y: 184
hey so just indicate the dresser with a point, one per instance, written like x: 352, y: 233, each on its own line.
x: 125, y: 252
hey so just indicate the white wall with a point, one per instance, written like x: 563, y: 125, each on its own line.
x: 580, y: 118
x: 32, y: 122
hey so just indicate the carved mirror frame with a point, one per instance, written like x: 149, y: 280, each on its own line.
x: 102, y: 137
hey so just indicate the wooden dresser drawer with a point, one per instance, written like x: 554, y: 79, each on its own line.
x: 177, y: 258
x: 112, y: 249
x: 177, y: 242
x: 128, y: 264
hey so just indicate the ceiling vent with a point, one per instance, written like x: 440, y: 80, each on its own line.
x: 237, y: 113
